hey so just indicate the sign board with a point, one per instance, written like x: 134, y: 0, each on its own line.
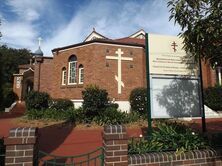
x: 174, y: 97
x: 18, y: 82
x: 174, y: 81
x: 167, y: 56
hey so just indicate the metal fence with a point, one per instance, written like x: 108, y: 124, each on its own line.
x: 93, y: 158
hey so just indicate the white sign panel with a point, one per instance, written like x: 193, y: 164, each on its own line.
x: 174, y: 97
x: 167, y: 56
x: 173, y: 79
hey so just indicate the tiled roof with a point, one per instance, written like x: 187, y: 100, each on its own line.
x: 134, y: 42
x: 25, y: 66
x: 131, y: 40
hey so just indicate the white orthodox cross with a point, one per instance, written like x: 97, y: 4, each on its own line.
x: 119, y: 58
x: 39, y: 39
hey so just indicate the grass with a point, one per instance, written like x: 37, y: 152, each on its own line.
x: 23, y: 121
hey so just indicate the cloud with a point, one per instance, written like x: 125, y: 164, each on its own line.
x: 18, y: 34
x: 27, y: 10
x: 114, y: 19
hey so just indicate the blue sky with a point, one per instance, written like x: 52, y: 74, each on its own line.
x: 64, y: 22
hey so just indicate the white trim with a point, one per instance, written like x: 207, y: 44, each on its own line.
x: 135, y: 35
x: 80, y: 69
x: 92, y: 36
x: 97, y: 43
x: 77, y: 100
x: 28, y: 70
x: 64, y: 75
x: 219, y: 75
x: 72, y: 83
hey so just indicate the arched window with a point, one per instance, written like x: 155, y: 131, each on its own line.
x: 63, y: 76
x: 72, y: 70
x: 81, y: 74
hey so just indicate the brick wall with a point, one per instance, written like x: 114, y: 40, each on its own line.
x: 97, y: 70
x: 21, y: 147
x: 116, y: 152
x: 194, y: 158
x: 115, y: 144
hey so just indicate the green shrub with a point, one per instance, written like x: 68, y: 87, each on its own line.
x: 177, y: 137
x: 133, y: 117
x: 169, y: 137
x: 113, y: 116
x: 94, y: 100
x: 9, y: 97
x: 137, y: 100
x: 35, y: 114
x: 110, y: 116
x: 61, y: 104
x: 81, y: 115
x: 213, y: 97
x: 70, y: 115
x: 52, y: 114
x: 142, y: 145
x: 113, y: 105
x: 37, y: 100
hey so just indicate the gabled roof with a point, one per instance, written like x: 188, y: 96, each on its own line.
x: 136, y: 39
x: 139, y: 34
x: 99, y: 41
x: 94, y: 35
x: 131, y: 40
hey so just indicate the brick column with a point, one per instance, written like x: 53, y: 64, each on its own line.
x: 37, y: 73
x: 21, y: 147
x: 115, y: 142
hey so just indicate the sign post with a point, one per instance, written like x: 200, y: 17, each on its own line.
x: 202, y: 97
x: 148, y: 105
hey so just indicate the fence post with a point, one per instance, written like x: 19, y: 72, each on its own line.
x: 21, y: 147
x: 115, y: 142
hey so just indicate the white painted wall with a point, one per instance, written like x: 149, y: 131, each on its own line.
x: 123, y: 105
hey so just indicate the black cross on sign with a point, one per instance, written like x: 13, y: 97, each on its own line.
x: 174, y: 45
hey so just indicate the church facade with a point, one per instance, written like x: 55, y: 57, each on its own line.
x: 117, y: 65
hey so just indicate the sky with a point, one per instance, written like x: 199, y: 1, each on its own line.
x: 63, y: 22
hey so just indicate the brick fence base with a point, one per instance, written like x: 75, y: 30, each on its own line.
x: 116, y: 142
x: 21, y: 147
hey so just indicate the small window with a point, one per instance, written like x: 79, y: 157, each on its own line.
x: 63, y: 76
x: 81, y: 74
x: 72, y: 70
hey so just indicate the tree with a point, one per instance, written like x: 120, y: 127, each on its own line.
x: 200, y: 22
x: 10, y: 59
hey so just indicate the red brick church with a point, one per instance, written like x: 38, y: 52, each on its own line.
x: 117, y: 65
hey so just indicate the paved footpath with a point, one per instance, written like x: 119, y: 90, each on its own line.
x: 63, y: 139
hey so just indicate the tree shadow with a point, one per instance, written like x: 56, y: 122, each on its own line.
x: 180, y: 98
x: 51, y: 137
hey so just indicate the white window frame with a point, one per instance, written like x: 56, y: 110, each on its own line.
x: 81, y: 75
x: 72, y: 83
x: 64, y: 78
x: 219, y: 75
